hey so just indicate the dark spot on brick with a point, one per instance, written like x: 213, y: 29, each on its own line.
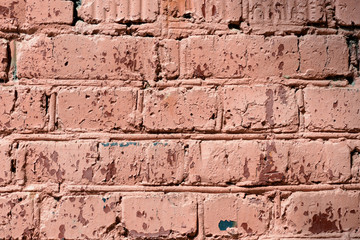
x: 321, y: 223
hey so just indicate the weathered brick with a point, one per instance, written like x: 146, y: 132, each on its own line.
x: 71, y: 162
x: 4, y: 61
x: 5, y: 163
x: 68, y: 57
x: 102, y: 109
x: 260, y: 108
x: 236, y: 215
x: 22, y: 109
x: 211, y: 11
x: 238, y: 56
x: 120, y: 11
x: 128, y: 163
x: 239, y: 162
x: 16, y: 216
x: 159, y: 215
x: 322, y: 56
x: 347, y: 12
x: 23, y: 14
x: 332, y: 109
x: 318, y: 161
x: 176, y: 109
x: 79, y: 217
x: 321, y: 212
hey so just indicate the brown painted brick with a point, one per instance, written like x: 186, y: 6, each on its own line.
x: 146, y: 162
x: 22, y: 109
x: 347, y: 12
x: 79, y: 217
x: 260, y: 108
x: 5, y: 163
x: 68, y: 57
x: 16, y: 216
x: 332, y: 109
x: 318, y: 161
x: 4, y: 61
x: 322, y: 56
x: 321, y: 212
x: 119, y: 11
x: 238, y: 56
x: 159, y: 215
x: 209, y: 10
x: 71, y: 162
x: 176, y: 109
x: 236, y: 215
x: 100, y: 109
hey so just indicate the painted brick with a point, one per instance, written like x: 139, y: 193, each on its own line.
x: 146, y: 162
x: 4, y: 61
x: 22, y: 109
x: 50, y: 161
x: 176, y: 109
x: 236, y: 215
x: 239, y: 162
x: 317, y: 161
x: 16, y: 216
x: 322, y: 56
x: 238, y: 56
x: 101, y: 109
x: 159, y: 215
x: 5, y: 163
x: 259, y: 108
x: 209, y: 10
x: 23, y: 14
x: 321, y: 212
x: 347, y: 12
x: 68, y: 57
x: 79, y: 217
x: 120, y: 11
x: 332, y: 109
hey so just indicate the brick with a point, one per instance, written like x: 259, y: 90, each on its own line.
x: 317, y: 161
x: 260, y: 108
x: 332, y: 109
x: 5, y: 163
x: 49, y: 11
x: 119, y: 11
x: 145, y: 162
x: 23, y: 14
x: 228, y: 11
x: 22, y: 109
x: 159, y: 215
x: 238, y: 56
x: 101, y: 109
x: 169, y: 58
x: 68, y: 57
x: 176, y: 109
x: 4, y: 61
x: 79, y: 217
x: 347, y: 12
x: 239, y: 162
x: 322, y: 56
x: 236, y: 215
x: 321, y: 212
x: 16, y: 216
x: 49, y: 161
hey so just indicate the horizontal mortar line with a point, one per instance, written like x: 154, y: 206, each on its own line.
x: 179, y: 136
x: 175, y: 83
x: 209, y: 189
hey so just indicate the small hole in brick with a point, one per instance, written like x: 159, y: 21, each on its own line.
x: 66, y: 63
x: 187, y: 15
x: 20, y: 199
x: 13, y: 166
x: 234, y: 26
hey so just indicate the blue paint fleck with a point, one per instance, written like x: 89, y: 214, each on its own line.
x: 160, y: 143
x: 104, y: 199
x: 106, y: 144
x: 113, y: 144
x: 223, y: 225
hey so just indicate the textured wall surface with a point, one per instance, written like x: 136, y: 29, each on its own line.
x: 180, y: 119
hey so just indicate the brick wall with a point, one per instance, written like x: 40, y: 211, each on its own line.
x: 179, y: 119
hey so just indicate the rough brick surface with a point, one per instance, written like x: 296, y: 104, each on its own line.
x: 180, y: 119
x: 160, y: 215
